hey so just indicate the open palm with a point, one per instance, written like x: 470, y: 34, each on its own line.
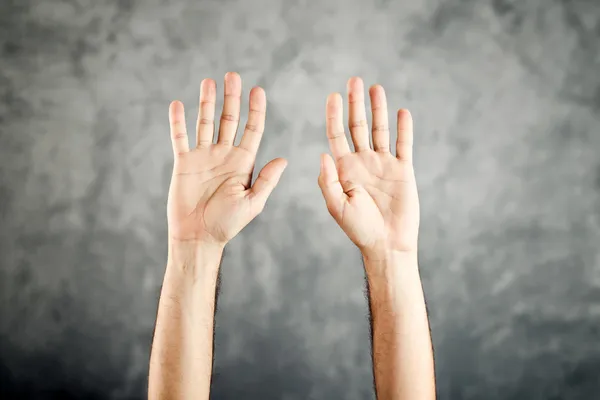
x: 371, y: 193
x: 211, y: 197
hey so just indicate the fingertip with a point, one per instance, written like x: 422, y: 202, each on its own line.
x: 332, y: 98
x: 175, y: 105
x: 404, y: 113
x: 175, y: 110
x: 233, y: 83
x: 377, y: 95
x: 405, y: 120
x: 276, y: 166
x: 377, y: 92
x: 208, y: 87
x: 355, y: 89
x: 258, y: 97
x: 283, y: 162
x: 232, y: 76
x: 375, y: 89
x: 355, y: 83
x: 258, y: 91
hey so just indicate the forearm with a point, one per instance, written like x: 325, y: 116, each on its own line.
x: 402, y: 351
x: 181, y: 358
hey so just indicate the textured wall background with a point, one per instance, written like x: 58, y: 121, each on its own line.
x: 506, y: 100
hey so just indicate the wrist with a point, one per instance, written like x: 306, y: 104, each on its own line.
x: 194, y: 258
x: 386, y: 255
x: 383, y: 259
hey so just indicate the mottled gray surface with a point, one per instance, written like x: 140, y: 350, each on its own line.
x: 506, y: 100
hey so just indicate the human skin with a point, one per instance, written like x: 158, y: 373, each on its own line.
x: 211, y: 198
x: 372, y: 195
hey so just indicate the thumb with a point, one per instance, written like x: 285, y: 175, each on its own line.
x: 330, y: 186
x: 266, y: 181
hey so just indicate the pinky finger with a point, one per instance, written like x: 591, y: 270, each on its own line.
x: 404, y: 144
x: 179, y: 137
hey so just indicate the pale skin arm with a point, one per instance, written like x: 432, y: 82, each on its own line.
x: 372, y: 195
x: 211, y: 199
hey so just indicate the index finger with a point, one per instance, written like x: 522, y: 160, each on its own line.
x: 256, y: 120
x: 179, y: 137
x: 335, y: 127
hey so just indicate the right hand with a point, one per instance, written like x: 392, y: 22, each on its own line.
x: 211, y: 197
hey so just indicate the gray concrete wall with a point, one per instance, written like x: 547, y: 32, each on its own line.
x: 506, y: 100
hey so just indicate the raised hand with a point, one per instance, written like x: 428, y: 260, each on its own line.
x: 211, y: 197
x: 371, y: 193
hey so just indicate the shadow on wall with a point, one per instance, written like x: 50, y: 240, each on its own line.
x: 49, y: 381
x: 270, y: 369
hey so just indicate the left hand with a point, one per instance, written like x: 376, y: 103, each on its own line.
x: 211, y: 197
x: 371, y: 193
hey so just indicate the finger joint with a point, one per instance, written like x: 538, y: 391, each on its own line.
x: 253, y: 128
x: 229, y: 118
x: 358, y: 124
x: 337, y: 135
x: 383, y: 128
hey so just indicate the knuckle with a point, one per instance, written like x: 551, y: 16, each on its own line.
x: 256, y: 111
x: 380, y: 128
x: 337, y: 135
x: 229, y: 117
x: 266, y: 180
x: 361, y: 123
x: 320, y: 182
x: 253, y: 128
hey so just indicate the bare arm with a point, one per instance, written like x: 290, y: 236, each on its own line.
x: 182, y: 353
x: 372, y: 195
x: 402, y: 352
x: 211, y: 198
